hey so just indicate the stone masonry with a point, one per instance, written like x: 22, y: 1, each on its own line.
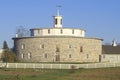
x: 58, y: 49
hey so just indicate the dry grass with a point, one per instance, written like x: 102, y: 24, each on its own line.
x: 96, y: 74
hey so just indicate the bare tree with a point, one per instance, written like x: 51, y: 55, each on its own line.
x: 22, y: 32
x: 8, y: 55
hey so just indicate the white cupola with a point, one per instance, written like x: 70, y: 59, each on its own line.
x: 114, y: 44
x: 58, y: 20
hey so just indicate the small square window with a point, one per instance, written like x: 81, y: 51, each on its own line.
x: 69, y: 46
x: 42, y: 46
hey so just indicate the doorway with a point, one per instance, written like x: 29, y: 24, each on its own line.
x: 100, y: 58
x: 57, y: 58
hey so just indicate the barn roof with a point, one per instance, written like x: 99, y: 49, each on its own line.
x: 109, y: 49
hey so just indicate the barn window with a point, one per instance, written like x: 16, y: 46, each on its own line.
x: 55, y: 21
x: 73, y: 31
x: 69, y: 46
x: 29, y: 55
x: 41, y: 46
x: 87, y: 56
x: 70, y: 56
x: 38, y: 31
x: 81, y: 32
x: 45, y: 56
x: 81, y: 48
x: 57, y: 49
x: 61, y: 21
x: 48, y: 31
x: 61, y: 31
x: 22, y: 56
x: 23, y: 46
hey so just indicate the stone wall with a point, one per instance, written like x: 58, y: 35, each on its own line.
x: 112, y: 58
x: 58, y: 49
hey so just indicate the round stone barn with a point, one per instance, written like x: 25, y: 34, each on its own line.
x: 58, y: 44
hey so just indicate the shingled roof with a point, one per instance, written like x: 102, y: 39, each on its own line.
x: 109, y: 49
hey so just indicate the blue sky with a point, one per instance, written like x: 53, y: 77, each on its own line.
x: 100, y: 18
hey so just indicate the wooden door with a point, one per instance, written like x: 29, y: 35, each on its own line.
x: 57, y: 58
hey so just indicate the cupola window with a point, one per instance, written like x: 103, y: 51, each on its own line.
x: 56, y: 21
x: 61, y: 31
x: 48, y: 31
x: 73, y: 31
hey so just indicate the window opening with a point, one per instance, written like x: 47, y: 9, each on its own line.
x: 48, y: 31
x: 55, y: 21
x: 81, y: 49
x: 23, y: 46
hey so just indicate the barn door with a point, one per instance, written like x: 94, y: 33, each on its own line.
x: 57, y: 58
x: 100, y: 58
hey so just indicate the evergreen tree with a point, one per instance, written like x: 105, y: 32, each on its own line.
x: 5, y: 45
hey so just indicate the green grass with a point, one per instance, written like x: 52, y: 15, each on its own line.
x: 48, y: 74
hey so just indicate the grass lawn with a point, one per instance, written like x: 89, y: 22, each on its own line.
x: 80, y: 74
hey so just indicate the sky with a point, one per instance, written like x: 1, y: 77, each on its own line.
x: 100, y: 18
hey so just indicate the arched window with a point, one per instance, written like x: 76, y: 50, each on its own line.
x: 29, y: 55
x: 22, y: 56
x: 23, y: 46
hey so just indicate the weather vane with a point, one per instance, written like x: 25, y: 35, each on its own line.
x: 58, y: 9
